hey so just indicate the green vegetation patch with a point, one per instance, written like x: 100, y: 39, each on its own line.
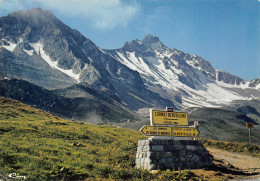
x: 246, y: 148
x: 41, y: 146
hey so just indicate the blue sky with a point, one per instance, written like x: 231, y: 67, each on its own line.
x: 224, y: 32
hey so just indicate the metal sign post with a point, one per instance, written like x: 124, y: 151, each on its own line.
x: 249, y: 125
x: 249, y: 136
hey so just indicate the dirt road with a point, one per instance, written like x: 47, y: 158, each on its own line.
x: 237, y: 162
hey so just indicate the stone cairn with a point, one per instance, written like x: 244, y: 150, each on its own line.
x: 153, y: 154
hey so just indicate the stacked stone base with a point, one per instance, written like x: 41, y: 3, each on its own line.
x: 155, y: 154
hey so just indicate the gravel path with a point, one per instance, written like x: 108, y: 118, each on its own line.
x: 244, y: 162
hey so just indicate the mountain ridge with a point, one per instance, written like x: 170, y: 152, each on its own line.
x: 37, y: 47
x: 67, y: 58
x: 175, y: 70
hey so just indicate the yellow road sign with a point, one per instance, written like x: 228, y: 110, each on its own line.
x: 249, y: 125
x: 169, y: 118
x: 169, y: 131
x: 184, y: 132
x: 156, y: 130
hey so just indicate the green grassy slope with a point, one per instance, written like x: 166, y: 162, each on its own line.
x: 41, y: 146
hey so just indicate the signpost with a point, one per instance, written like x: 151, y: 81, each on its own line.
x: 185, y: 132
x: 169, y: 131
x: 156, y: 130
x: 168, y: 118
x: 249, y: 125
x: 169, y: 123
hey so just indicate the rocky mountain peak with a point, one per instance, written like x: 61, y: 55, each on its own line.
x: 149, y: 39
x: 153, y: 43
x: 30, y: 25
x: 149, y: 43
x: 35, y: 16
x: 255, y: 83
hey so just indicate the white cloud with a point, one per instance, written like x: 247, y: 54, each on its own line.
x: 10, y: 5
x: 105, y: 14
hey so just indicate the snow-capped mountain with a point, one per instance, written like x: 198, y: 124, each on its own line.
x: 37, y: 47
x: 181, y: 77
x: 38, y: 39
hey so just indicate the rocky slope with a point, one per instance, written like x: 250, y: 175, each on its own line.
x: 90, y: 107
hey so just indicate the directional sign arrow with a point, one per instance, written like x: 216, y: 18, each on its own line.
x: 184, y: 132
x: 156, y: 130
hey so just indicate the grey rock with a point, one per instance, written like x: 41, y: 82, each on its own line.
x: 191, y: 147
x: 157, y: 148
x: 147, y: 161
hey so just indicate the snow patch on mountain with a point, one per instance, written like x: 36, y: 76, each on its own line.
x: 9, y: 45
x: 241, y: 85
x: 132, y: 62
x: 218, y: 94
x: 151, y: 67
x: 39, y: 50
x: 258, y: 86
x: 29, y: 52
x: 208, y: 94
